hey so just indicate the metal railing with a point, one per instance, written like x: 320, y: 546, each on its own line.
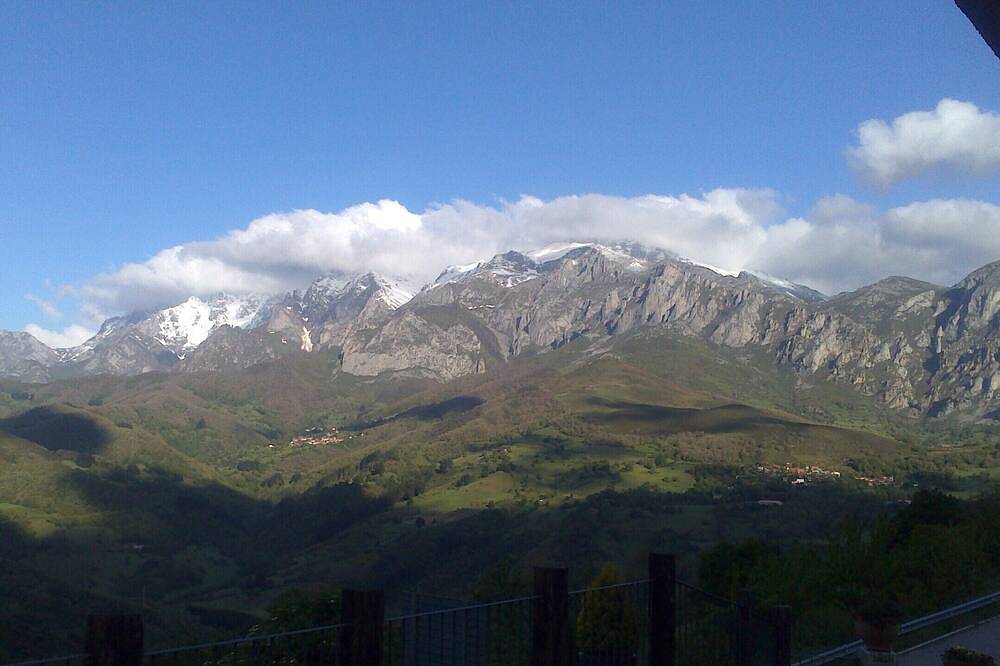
x: 68, y: 659
x: 475, y: 635
x: 608, y: 624
x: 707, y: 627
x: 302, y: 646
x: 654, y: 621
x: 850, y: 649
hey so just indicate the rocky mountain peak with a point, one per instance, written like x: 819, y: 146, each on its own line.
x: 185, y: 326
x: 910, y: 344
x: 988, y: 274
x: 23, y: 355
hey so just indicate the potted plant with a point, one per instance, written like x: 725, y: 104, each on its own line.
x: 876, y: 621
x: 961, y: 656
x: 607, y: 626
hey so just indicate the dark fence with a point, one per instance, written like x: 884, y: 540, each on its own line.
x: 610, y: 624
x: 707, y: 628
x: 477, y: 635
x: 849, y: 650
x: 318, y: 645
x: 656, y: 621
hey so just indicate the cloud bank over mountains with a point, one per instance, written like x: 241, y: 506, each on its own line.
x: 840, y: 244
x: 71, y: 336
x: 955, y: 136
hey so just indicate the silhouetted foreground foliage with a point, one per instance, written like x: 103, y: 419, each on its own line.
x: 934, y: 552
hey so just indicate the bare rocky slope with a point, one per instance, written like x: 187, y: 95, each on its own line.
x: 909, y: 344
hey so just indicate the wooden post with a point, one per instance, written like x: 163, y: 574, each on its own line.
x: 782, y: 618
x: 114, y: 640
x: 744, y: 628
x: 363, y: 611
x: 550, y: 638
x: 661, y: 625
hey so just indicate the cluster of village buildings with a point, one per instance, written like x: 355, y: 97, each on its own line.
x: 317, y: 437
x: 809, y: 473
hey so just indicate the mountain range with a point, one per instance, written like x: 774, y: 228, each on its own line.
x: 911, y: 345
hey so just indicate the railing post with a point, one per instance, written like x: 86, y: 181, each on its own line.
x: 550, y: 638
x: 363, y: 613
x: 782, y: 618
x: 661, y: 625
x: 744, y: 628
x: 114, y: 640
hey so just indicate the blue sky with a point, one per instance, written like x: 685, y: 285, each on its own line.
x: 128, y: 128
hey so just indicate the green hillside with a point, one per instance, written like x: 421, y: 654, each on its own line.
x: 202, y: 497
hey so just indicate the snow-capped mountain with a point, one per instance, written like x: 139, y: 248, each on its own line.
x: 317, y: 318
x: 329, y: 291
x: 807, y: 294
x: 185, y: 326
x: 911, y: 344
x: 795, y: 289
x: 22, y: 355
x: 512, y: 268
x: 237, y: 330
x: 506, y: 270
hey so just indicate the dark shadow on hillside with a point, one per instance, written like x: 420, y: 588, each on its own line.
x: 611, y: 526
x: 57, y: 430
x: 159, y: 538
x: 436, y: 410
x: 721, y: 419
x: 40, y: 614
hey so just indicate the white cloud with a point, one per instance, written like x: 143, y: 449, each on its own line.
x: 955, y: 135
x: 48, y: 308
x: 71, y: 336
x: 286, y: 250
x: 841, y: 244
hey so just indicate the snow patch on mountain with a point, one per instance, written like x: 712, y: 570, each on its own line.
x: 455, y: 273
x: 335, y: 287
x: 633, y: 256
x: 555, y: 251
x: 714, y: 269
x: 187, y: 325
x: 506, y: 270
x: 512, y: 268
x: 392, y: 294
x: 792, y: 288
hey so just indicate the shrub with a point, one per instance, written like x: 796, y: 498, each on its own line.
x: 608, y: 619
x: 963, y: 655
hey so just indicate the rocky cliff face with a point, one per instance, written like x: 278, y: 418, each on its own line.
x: 331, y: 306
x: 23, y: 356
x: 909, y: 344
x: 965, y: 342
x: 185, y: 326
x: 232, y: 348
x: 416, y: 342
x: 119, y: 348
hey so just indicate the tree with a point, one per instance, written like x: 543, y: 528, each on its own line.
x: 608, y: 622
x: 299, y: 609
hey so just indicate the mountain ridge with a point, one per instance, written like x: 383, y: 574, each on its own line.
x: 912, y: 345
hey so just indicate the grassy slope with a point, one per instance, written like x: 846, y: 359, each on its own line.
x: 540, y: 439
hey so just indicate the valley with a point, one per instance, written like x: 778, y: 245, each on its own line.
x: 186, y: 496
x: 578, y: 404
